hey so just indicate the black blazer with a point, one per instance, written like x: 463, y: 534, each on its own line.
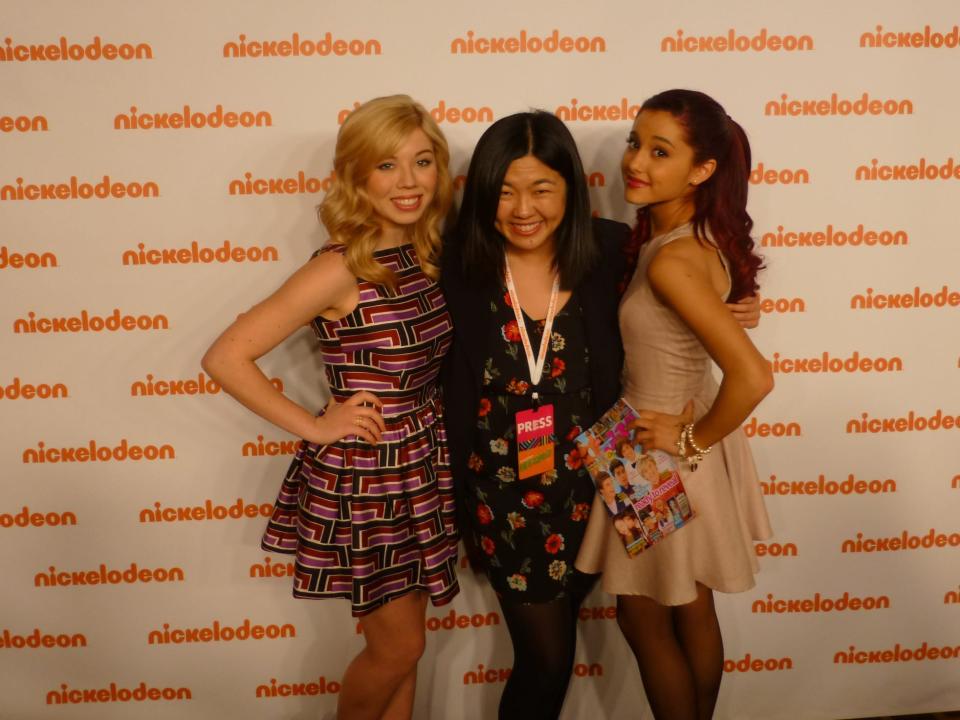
x: 462, y: 371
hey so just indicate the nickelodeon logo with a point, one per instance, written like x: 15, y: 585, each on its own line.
x: 25, y: 518
x: 762, y: 175
x: 454, y: 621
x: 943, y: 297
x: 782, y: 305
x: 218, y: 632
x: 270, y: 569
x: 298, y: 185
x: 92, y: 452
x: 929, y: 38
x: 208, y: 511
x: 754, y: 428
x: 903, y: 541
x: 65, y: 50
x: 484, y: 675
x: 85, y: 322
x: 735, y: 42
x: 762, y: 549
x: 199, y: 254
x: 819, y: 604
x: 187, y: 119
x: 624, y: 110
x: 76, y: 190
x: 834, y: 238
x: 524, y: 42
x: 322, y: 686
x: 864, y: 105
x: 23, y: 123
x: 441, y: 112
x: 608, y: 612
x: 201, y: 385
x: 896, y: 654
x: 37, y: 640
x: 923, y: 170
x: 29, y: 260
x: 18, y: 390
x: 297, y: 46
x: 822, y: 486
x: 270, y: 448
x: 910, y: 423
x: 751, y: 664
x: 106, y: 576
x: 113, y: 694
x: 952, y: 597
x: 825, y: 363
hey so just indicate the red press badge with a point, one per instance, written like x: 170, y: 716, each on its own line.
x: 534, y: 445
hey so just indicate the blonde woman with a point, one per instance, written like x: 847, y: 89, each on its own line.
x: 367, y: 505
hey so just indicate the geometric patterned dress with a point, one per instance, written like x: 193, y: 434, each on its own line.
x: 372, y: 523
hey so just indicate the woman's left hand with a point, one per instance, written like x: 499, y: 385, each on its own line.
x: 746, y: 311
x: 660, y: 431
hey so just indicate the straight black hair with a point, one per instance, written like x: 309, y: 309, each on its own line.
x: 545, y: 137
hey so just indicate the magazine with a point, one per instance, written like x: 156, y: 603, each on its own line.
x: 642, y: 490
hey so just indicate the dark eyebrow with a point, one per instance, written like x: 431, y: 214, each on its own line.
x: 660, y: 137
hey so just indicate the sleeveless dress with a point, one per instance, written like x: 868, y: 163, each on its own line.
x: 528, y: 531
x: 372, y: 523
x: 666, y: 365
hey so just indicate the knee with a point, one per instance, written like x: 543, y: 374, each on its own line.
x: 401, y: 652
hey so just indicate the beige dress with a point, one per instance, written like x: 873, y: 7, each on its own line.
x: 665, y: 366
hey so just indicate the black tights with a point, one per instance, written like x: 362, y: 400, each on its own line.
x: 679, y: 651
x: 544, y: 637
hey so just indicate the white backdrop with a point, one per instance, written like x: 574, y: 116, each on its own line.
x: 101, y: 345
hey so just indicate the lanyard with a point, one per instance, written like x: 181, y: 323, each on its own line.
x: 535, y: 364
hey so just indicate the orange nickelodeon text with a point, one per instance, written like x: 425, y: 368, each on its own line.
x: 298, y: 185
x: 200, y: 385
x: 218, y: 632
x: 107, y: 576
x: 928, y: 38
x: 93, y: 452
x: 87, y: 322
x: 200, y: 254
x: 944, y: 297
x: 65, y: 50
x: 524, y: 42
x: 26, y: 518
x: 830, y: 237
x: 763, y: 549
x: 320, y: 686
x: 819, y: 604
x: 749, y: 663
x: 37, y: 640
x: 30, y: 260
x: 827, y: 363
x: 297, y: 46
x: 923, y: 170
x: 835, y: 105
x: 823, y: 486
x: 23, y: 123
x: 911, y: 422
x: 762, y: 175
x: 904, y: 541
x: 113, y: 693
x: 734, y: 41
x: 896, y: 654
x: 187, y: 119
x: 74, y: 189
x: 208, y: 511
x: 754, y: 428
x: 18, y: 390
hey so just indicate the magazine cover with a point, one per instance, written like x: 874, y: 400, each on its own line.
x: 642, y: 490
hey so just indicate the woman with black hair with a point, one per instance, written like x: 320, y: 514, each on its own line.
x: 536, y: 349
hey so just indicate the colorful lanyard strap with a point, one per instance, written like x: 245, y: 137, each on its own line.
x: 534, y: 363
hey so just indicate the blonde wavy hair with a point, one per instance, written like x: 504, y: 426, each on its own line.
x: 372, y: 132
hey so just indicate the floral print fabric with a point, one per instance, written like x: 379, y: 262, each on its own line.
x: 528, y: 531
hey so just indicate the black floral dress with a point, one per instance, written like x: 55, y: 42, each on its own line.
x: 528, y: 531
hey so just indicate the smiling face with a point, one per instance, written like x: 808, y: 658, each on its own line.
x: 533, y: 200
x: 658, y: 165
x: 401, y: 187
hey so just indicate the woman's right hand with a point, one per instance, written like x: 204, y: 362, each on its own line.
x: 360, y: 415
